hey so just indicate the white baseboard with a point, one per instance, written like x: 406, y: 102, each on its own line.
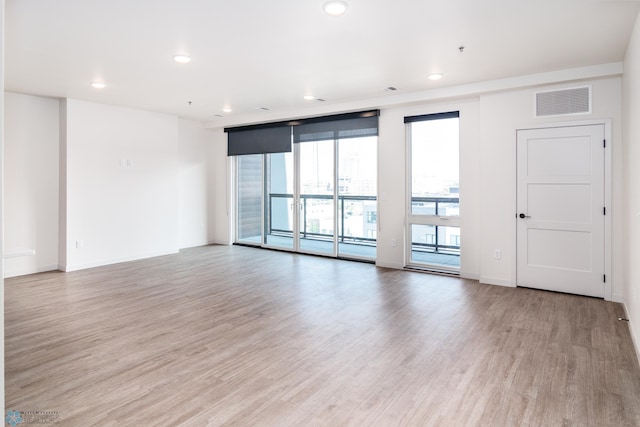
x: 27, y: 271
x: 498, y: 282
x: 390, y: 265
x: 632, y: 332
x: 194, y: 245
x: 101, y: 263
x: 470, y: 276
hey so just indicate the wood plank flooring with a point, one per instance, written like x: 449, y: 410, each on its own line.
x: 236, y: 336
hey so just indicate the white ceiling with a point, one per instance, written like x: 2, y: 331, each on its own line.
x: 249, y: 54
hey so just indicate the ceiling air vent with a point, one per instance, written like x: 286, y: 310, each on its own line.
x: 563, y: 102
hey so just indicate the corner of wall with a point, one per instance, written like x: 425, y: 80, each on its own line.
x: 497, y: 282
x: 1, y: 202
x: 392, y: 265
x: 631, y: 180
x: 62, y: 188
x: 632, y: 332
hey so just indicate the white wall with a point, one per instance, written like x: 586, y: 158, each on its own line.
x: 62, y: 186
x: 500, y: 115
x: 65, y: 156
x: 1, y: 203
x: 31, y: 183
x: 631, y: 249
x: 392, y: 183
x: 220, y: 192
x: 121, y: 184
x: 488, y: 126
x: 487, y: 179
x: 192, y: 183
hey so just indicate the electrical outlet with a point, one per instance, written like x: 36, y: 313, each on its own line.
x: 497, y: 254
x: 79, y: 244
x: 394, y: 243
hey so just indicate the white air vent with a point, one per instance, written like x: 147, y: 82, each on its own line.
x: 563, y: 102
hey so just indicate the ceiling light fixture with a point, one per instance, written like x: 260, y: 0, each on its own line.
x: 98, y: 85
x: 309, y: 97
x: 182, y: 59
x: 335, y: 7
x: 435, y: 76
x: 227, y: 110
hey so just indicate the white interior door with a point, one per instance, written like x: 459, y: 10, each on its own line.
x: 560, y: 209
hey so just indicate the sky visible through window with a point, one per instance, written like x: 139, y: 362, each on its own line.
x: 435, y: 158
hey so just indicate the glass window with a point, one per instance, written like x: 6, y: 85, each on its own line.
x: 358, y: 180
x: 249, y: 199
x: 435, y: 167
x: 279, y: 202
x: 434, y: 207
x: 435, y: 245
x: 321, y: 197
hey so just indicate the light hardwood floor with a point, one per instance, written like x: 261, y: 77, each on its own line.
x: 241, y: 336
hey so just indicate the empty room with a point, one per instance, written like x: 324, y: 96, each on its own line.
x: 320, y: 213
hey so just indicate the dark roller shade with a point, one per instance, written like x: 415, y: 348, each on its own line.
x: 336, y: 129
x: 437, y: 116
x: 276, y: 137
x: 259, y: 140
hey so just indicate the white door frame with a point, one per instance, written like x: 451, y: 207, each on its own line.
x: 608, y: 178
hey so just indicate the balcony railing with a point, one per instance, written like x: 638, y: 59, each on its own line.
x: 304, y: 233
x: 437, y: 204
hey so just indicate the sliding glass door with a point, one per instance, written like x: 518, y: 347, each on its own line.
x: 317, y: 197
x: 279, y: 212
x: 249, y: 199
x: 357, y: 200
x: 320, y: 197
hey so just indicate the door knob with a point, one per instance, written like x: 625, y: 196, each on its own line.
x: 524, y: 216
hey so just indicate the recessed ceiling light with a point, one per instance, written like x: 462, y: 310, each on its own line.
x: 335, y: 7
x: 435, y: 76
x: 227, y: 110
x: 309, y: 97
x: 182, y: 59
x: 98, y: 85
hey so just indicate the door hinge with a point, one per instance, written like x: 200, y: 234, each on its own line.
x: 604, y: 210
x: 604, y: 143
x: 604, y: 278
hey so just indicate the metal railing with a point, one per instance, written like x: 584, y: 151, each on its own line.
x: 304, y: 233
x: 435, y: 247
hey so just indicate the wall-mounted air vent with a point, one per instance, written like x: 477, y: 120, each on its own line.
x: 563, y: 102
